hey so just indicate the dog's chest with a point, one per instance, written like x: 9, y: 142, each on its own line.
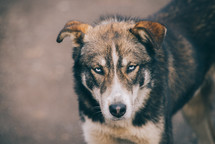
x: 149, y: 133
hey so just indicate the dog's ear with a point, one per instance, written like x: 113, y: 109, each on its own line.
x: 147, y: 30
x: 76, y: 30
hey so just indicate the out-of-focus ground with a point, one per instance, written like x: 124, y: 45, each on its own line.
x: 37, y: 101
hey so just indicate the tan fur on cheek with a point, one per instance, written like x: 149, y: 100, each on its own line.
x: 141, y: 94
x: 133, y: 74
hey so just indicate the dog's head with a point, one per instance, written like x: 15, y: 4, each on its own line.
x: 114, y: 60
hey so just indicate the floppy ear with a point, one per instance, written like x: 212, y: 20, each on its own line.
x: 75, y: 30
x: 150, y: 30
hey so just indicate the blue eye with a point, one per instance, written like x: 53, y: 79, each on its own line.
x: 99, y: 70
x: 131, y: 68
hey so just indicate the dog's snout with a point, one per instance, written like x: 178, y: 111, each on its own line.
x: 117, y: 109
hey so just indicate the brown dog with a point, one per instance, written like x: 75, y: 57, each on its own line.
x: 131, y: 75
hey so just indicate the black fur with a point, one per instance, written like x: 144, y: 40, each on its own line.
x: 88, y: 106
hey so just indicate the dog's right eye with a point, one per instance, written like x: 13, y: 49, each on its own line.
x: 98, y: 70
x: 131, y: 68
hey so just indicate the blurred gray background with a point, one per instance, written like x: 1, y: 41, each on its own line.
x: 37, y: 101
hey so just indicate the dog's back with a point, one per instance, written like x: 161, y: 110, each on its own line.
x: 194, y: 21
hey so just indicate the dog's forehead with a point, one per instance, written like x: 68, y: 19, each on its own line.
x: 107, y: 33
x: 102, y: 40
x: 103, y: 36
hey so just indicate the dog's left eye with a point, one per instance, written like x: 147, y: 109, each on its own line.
x: 131, y: 68
x: 99, y: 70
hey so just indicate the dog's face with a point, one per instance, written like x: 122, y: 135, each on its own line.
x: 114, y: 63
x: 114, y: 69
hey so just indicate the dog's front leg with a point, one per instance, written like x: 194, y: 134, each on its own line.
x: 94, y: 133
x: 98, y: 138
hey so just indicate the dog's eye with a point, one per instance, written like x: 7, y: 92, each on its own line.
x: 131, y: 68
x: 99, y: 70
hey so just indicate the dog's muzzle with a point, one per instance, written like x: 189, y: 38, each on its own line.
x: 117, y: 109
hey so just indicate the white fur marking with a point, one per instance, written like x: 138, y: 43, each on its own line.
x: 115, y: 93
x: 124, y: 62
x: 115, y: 56
x: 103, y: 62
x: 147, y: 77
x: 84, y: 82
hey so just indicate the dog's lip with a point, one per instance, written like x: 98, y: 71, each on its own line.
x: 117, y: 119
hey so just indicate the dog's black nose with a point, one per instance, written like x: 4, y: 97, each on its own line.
x: 117, y: 109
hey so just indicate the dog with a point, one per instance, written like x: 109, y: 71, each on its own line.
x: 132, y: 75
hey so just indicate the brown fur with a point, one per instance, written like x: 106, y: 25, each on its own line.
x: 156, y: 30
x: 198, y: 110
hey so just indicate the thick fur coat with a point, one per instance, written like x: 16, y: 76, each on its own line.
x: 131, y: 75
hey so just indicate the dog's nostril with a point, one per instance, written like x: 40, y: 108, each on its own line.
x: 118, y: 109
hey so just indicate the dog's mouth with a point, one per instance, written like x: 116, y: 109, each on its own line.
x: 118, y: 119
